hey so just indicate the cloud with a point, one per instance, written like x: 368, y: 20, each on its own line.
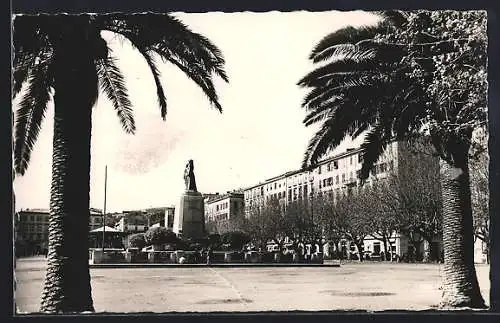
x: 141, y: 153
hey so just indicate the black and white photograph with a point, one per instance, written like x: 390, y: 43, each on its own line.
x: 250, y: 161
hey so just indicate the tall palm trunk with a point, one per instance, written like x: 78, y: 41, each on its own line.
x: 460, y: 285
x: 67, y: 283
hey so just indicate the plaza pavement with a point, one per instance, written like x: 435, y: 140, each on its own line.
x: 372, y: 286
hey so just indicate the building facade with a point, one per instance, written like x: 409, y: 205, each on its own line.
x: 223, y: 207
x: 32, y: 236
x: 33, y: 231
x: 132, y: 222
x: 332, y: 177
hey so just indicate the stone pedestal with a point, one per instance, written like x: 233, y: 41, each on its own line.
x: 189, y: 222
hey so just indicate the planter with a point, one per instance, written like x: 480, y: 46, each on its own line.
x: 287, y: 258
x: 267, y: 257
x: 253, y: 257
x: 233, y: 257
x: 317, y: 258
x: 277, y: 257
x: 151, y: 257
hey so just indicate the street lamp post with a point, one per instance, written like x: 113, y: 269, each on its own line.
x: 311, y: 179
x: 104, y: 210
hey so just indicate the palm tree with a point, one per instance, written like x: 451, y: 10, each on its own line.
x: 411, y: 75
x: 64, y: 58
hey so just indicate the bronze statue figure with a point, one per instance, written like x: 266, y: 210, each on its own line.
x: 189, y: 179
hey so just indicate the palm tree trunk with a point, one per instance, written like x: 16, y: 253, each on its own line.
x: 460, y: 285
x: 67, y: 282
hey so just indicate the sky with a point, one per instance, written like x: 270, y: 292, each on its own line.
x: 259, y: 134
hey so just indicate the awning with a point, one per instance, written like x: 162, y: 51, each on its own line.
x: 108, y: 229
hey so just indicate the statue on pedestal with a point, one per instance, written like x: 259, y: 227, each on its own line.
x: 189, y: 179
x: 189, y: 221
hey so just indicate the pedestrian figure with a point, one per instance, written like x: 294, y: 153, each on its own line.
x: 209, y: 255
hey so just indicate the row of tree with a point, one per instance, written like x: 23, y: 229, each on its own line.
x: 407, y: 201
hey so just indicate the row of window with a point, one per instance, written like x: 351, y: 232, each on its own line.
x: 45, y: 218
x: 343, y: 178
x: 335, y: 163
x: 34, y: 218
x: 33, y: 227
x: 273, y: 185
x: 36, y: 237
x: 222, y: 206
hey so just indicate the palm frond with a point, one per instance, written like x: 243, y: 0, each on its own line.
x: 330, y: 72
x: 113, y: 85
x: 29, y: 116
x: 409, y: 120
x: 162, y: 100
x: 347, y: 35
x: 331, y: 133
x: 21, y: 71
x: 200, y: 77
x: 372, y: 148
x: 368, y: 115
x: 322, y: 112
x: 325, y: 95
x: 166, y: 36
x: 361, y: 51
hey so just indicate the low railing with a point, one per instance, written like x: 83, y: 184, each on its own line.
x: 96, y: 256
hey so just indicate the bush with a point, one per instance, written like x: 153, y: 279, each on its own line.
x: 137, y: 240
x: 235, y: 239
x: 214, y: 241
x: 160, y: 235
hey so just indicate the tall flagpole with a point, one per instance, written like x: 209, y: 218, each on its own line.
x: 104, y: 211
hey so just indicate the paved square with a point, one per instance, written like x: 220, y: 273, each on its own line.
x: 367, y: 286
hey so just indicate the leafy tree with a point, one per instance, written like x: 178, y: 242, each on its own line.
x: 411, y: 196
x: 352, y: 218
x: 236, y: 222
x: 137, y: 240
x: 413, y: 74
x: 274, y: 222
x: 267, y: 222
x: 214, y: 240
x: 64, y: 58
x: 160, y: 235
x: 384, y: 214
x: 296, y: 219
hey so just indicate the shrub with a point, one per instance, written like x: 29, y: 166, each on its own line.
x: 235, y: 239
x: 137, y: 240
x: 160, y: 235
x: 214, y: 241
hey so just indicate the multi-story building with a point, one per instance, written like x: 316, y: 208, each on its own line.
x: 132, y: 222
x: 33, y: 228
x: 334, y: 175
x: 224, y: 206
x: 331, y: 176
